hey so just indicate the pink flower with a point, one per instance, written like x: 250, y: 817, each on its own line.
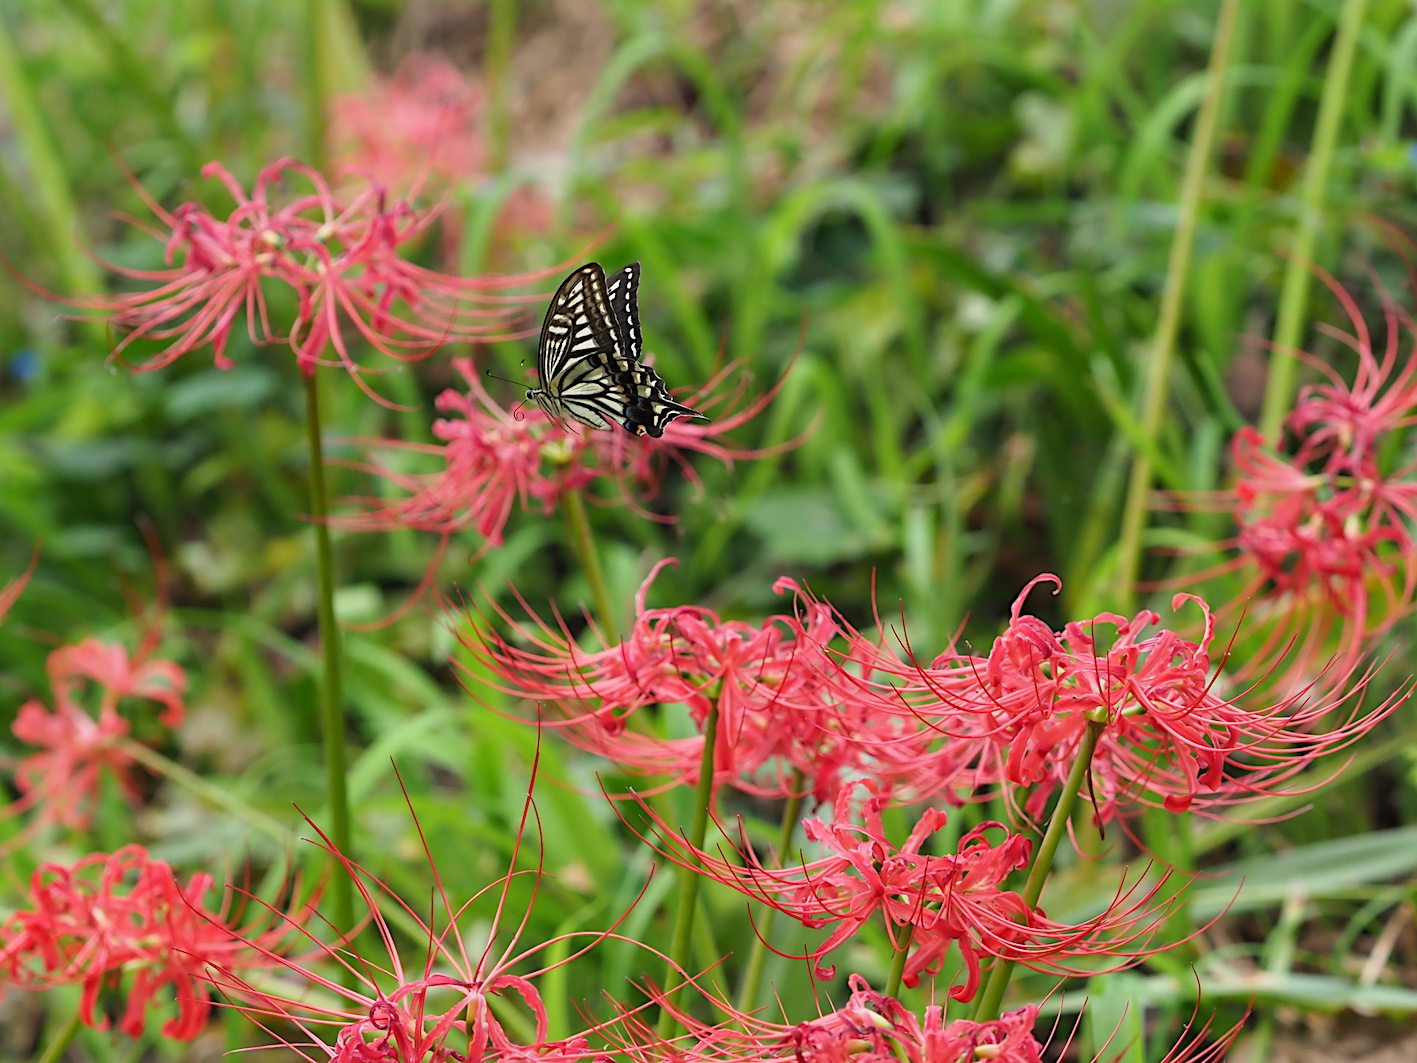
x: 125, y: 916
x: 928, y: 903
x: 494, y: 461
x: 76, y: 748
x: 339, y: 260
x: 423, y: 124
x: 1174, y: 730
x: 780, y: 728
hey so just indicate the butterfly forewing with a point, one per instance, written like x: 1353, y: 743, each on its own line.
x: 589, y: 356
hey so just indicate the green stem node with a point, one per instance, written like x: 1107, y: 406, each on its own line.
x: 902, y: 953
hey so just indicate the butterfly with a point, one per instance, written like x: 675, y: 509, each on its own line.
x: 588, y: 359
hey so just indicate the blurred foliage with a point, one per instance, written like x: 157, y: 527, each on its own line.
x: 946, y: 224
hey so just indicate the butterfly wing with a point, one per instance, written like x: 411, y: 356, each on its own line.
x: 624, y: 295
x: 589, y: 356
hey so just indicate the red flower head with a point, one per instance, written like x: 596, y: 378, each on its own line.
x: 111, y: 917
x: 493, y: 460
x: 1325, y: 540
x: 874, y: 1028
x: 423, y: 124
x: 76, y: 747
x: 957, y: 899
x: 437, y: 1011
x: 339, y: 260
x: 1173, y: 730
x: 779, y: 727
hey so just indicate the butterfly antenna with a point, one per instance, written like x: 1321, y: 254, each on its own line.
x: 506, y: 380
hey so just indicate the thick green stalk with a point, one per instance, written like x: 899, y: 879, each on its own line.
x: 689, y: 878
x: 993, y: 995
x: 1294, y: 295
x: 757, y: 959
x: 583, y: 543
x: 331, y: 703
x: 54, y: 1051
x: 213, y: 795
x: 1168, y: 320
x: 902, y: 953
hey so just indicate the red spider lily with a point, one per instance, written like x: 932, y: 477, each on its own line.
x: 874, y: 1028
x: 437, y: 1011
x: 956, y: 899
x: 1174, y: 731
x: 108, y: 917
x: 1325, y: 538
x: 880, y: 1029
x: 62, y: 780
x: 493, y: 460
x: 779, y: 728
x: 338, y: 259
x: 423, y: 124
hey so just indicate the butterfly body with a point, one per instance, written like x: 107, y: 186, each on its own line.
x: 588, y: 359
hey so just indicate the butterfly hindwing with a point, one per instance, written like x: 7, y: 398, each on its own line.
x: 589, y: 356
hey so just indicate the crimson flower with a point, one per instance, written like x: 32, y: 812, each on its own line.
x: 493, y: 461
x: 780, y: 728
x: 1174, y: 730
x: 873, y: 1028
x: 124, y: 916
x: 956, y: 899
x: 75, y: 747
x: 1325, y: 550
x: 337, y: 259
x: 435, y: 1011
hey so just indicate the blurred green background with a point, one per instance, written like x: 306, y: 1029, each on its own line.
x: 947, y: 224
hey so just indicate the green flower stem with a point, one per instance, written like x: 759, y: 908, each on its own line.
x: 331, y: 703
x: 902, y: 953
x: 1294, y: 295
x: 1168, y: 318
x: 583, y: 543
x: 213, y: 795
x: 689, y: 878
x: 757, y: 959
x: 1003, y: 970
x: 54, y: 1051
x: 501, y: 39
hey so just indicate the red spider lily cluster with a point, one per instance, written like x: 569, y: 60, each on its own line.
x: 929, y: 903
x: 60, y: 781
x: 125, y: 917
x: 337, y: 259
x: 800, y: 714
x: 1172, y: 729
x: 1327, y: 523
x: 780, y: 729
x: 494, y: 460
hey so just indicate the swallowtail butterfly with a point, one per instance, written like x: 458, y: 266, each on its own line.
x: 588, y: 360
